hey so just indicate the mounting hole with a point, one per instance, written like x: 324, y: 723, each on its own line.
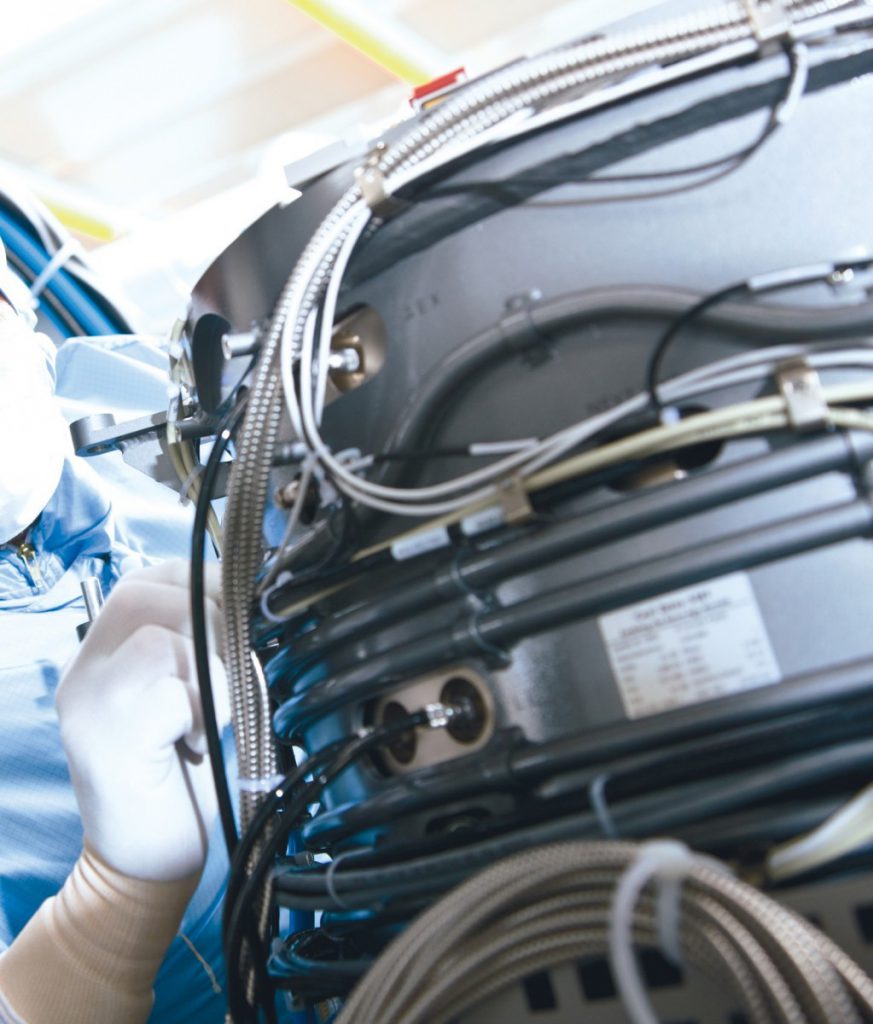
x: 463, y: 694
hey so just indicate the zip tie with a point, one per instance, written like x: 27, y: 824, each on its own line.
x: 597, y: 799
x: 280, y: 581
x: 329, y: 881
x: 263, y: 785
x: 666, y: 861
x: 69, y: 249
x: 188, y: 483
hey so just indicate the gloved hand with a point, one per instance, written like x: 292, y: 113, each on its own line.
x: 132, y: 727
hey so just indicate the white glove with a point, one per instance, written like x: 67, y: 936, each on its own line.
x: 132, y: 726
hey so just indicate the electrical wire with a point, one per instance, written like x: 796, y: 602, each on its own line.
x: 267, y: 841
x: 459, y: 125
x: 223, y: 438
x: 460, y: 122
x: 846, y: 830
x: 759, y: 416
x: 352, y: 217
x: 515, y: 189
x: 395, y: 500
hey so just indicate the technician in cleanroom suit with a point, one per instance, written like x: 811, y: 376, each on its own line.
x: 140, y: 864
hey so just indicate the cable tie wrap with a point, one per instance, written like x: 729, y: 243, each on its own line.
x: 330, y: 882
x: 798, y: 55
x: 186, y: 485
x: 263, y: 785
x: 67, y: 251
x: 597, y: 799
x: 668, y: 862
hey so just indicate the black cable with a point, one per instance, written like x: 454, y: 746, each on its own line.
x: 656, y: 360
x: 198, y: 621
x: 682, y: 805
x: 293, y: 805
x: 721, y: 166
x: 789, y: 279
x: 490, y: 632
x: 237, y: 878
x: 480, y: 569
x: 451, y: 378
x: 635, y: 772
x: 272, y: 805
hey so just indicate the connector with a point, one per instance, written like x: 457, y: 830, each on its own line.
x: 439, y: 715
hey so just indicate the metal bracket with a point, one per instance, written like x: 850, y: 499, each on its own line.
x: 141, y: 443
x: 770, y: 21
x: 521, y: 333
x: 801, y: 388
x: 374, y: 190
x: 514, y: 501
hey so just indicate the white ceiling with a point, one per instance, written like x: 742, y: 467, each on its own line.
x: 135, y: 110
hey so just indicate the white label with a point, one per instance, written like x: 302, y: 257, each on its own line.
x: 689, y: 646
x: 420, y: 543
x: 485, y: 519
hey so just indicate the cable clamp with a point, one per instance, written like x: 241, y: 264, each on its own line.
x: 485, y: 645
x: 514, y: 501
x: 262, y: 785
x: 770, y: 21
x: 800, y: 386
x: 375, y: 192
x: 520, y: 333
x: 67, y: 251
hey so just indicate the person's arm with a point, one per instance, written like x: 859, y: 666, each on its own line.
x: 132, y: 729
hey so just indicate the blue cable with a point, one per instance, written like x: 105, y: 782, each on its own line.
x: 61, y: 329
x: 62, y: 286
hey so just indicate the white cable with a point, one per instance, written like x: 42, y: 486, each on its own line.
x: 758, y: 416
x: 658, y: 859
x: 294, y: 516
x: 69, y: 250
x: 329, y: 308
x: 848, y: 829
x: 463, y: 119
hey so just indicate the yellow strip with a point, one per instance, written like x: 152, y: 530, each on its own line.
x: 80, y: 222
x: 370, y: 42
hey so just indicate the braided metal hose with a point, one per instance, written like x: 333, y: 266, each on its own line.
x: 553, y: 905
